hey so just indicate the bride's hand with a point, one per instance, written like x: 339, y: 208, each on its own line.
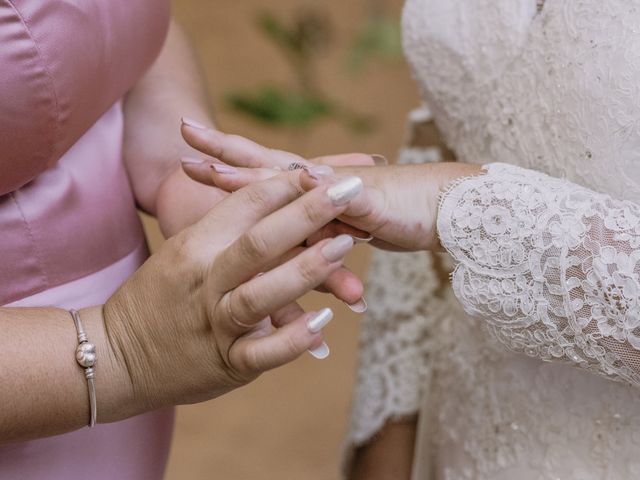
x: 399, y: 204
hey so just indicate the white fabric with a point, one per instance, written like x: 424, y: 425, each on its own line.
x: 547, y: 266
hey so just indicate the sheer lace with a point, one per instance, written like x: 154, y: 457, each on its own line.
x: 552, y: 267
x: 556, y: 90
x: 396, y: 337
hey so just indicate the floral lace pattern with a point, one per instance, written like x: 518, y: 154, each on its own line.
x: 550, y: 265
x: 393, y: 356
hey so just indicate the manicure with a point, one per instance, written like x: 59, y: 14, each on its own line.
x: 358, y: 240
x: 359, y: 307
x: 192, y: 161
x: 318, y: 170
x: 190, y: 122
x: 345, y: 190
x: 223, y: 169
x: 379, y: 160
x: 320, y: 352
x: 319, y: 320
x: 337, y: 248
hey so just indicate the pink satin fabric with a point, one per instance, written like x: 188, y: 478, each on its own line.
x: 67, y: 213
x: 134, y: 449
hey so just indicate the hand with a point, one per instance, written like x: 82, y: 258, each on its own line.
x: 181, y: 202
x: 399, y: 204
x: 198, y: 318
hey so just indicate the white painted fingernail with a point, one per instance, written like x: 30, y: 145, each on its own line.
x: 318, y: 170
x: 359, y: 307
x: 190, y: 122
x: 379, y: 160
x: 192, y: 161
x: 337, y: 248
x: 319, y: 320
x: 320, y: 352
x: 358, y: 240
x: 345, y: 190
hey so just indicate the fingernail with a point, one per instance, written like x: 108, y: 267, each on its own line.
x: 358, y: 240
x: 345, y: 190
x: 192, y: 161
x: 337, y: 248
x: 193, y: 123
x: 320, y: 352
x: 359, y: 307
x: 320, y: 320
x: 379, y: 160
x: 223, y: 169
x: 317, y: 170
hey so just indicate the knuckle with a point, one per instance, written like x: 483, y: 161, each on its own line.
x: 309, y: 272
x: 184, y: 248
x: 248, y: 304
x: 313, y: 213
x: 257, y: 196
x: 254, y: 361
x: 293, y: 346
x: 254, y: 246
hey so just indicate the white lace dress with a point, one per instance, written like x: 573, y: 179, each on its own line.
x: 529, y: 367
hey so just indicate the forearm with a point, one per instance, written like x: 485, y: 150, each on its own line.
x: 44, y: 391
x: 389, y: 455
x: 152, y: 110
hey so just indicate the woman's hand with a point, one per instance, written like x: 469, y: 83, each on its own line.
x: 215, y: 307
x: 399, y: 204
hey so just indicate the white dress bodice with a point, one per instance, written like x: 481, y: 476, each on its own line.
x: 554, y: 89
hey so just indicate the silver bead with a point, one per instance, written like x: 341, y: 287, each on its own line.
x: 86, y: 354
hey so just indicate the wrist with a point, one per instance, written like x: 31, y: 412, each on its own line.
x: 114, y: 388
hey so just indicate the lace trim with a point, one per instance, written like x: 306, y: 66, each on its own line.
x: 553, y: 267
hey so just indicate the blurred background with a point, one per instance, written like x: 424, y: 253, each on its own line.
x: 314, y: 78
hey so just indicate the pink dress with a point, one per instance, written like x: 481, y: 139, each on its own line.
x: 70, y: 232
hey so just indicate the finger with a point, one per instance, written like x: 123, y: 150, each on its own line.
x: 342, y: 284
x: 287, y: 315
x: 350, y: 159
x: 346, y: 286
x: 223, y: 176
x: 362, y: 206
x: 246, y: 305
x: 284, y: 229
x: 250, y: 355
x: 336, y: 228
x: 236, y: 150
x: 244, y: 208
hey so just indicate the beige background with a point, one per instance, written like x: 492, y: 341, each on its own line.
x: 290, y: 423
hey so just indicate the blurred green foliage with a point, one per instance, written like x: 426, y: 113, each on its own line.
x: 379, y: 37
x: 303, y: 42
x: 282, y: 107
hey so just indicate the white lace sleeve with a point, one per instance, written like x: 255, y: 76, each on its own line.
x: 551, y: 266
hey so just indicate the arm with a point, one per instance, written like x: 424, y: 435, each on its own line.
x: 551, y: 266
x: 172, y: 88
x: 194, y: 322
x: 39, y: 374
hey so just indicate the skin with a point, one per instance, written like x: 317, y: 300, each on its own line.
x: 194, y: 322
x: 399, y: 208
x: 169, y: 335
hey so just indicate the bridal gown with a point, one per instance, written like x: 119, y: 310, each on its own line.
x: 529, y: 367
